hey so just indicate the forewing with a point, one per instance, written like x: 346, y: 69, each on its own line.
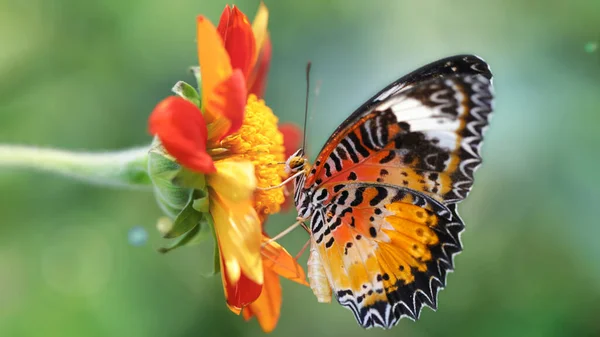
x: 426, y: 137
x: 386, y: 250
x: 458, y: 64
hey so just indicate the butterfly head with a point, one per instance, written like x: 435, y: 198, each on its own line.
x: 296, y: 163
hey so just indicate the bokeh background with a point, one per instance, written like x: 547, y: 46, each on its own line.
x: 85, y: 75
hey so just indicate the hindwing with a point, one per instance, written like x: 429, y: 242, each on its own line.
x: 386, y: 250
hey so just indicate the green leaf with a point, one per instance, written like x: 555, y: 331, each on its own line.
x: 185, y: 221
x: 187, y: 91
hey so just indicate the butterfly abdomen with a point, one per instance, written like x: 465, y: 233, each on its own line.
x: 317, y: 277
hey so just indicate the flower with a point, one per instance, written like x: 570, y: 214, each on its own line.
x: 232, y: 138
x: 276, y: 262
x: 259, y: 145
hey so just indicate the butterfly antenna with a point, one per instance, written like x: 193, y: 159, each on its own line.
x: 308, y: 65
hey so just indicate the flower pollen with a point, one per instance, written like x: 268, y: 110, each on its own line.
x: 260, y: 141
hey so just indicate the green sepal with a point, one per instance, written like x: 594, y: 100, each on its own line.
x: 216, y: 253
x: 162, y: 169
x: 187, y: 91
x: 201, y: 204
x: 183, y: 196
x: 197, y: 234
x: 195, y: 70
x: 190, y: 179
x: 185, y: 221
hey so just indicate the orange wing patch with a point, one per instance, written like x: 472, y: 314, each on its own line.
x: 385, y: 250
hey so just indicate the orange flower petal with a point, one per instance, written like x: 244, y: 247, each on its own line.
x: 234, y: 181
x: 267, y: 307
x: 240, y: 293
x: 258, y: 79
x: 215, y: 65
x: 238, y: 230
x: 182, y: 131
x: 277, y: 259
x: 292, y: 138
x: 228, y: 99
x: 259, y: 26
x: 238, y: 39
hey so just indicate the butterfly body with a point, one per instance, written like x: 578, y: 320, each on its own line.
x: 381, y: 196
x: 319, y: 282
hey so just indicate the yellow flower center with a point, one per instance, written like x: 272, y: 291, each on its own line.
x: 260, y: 142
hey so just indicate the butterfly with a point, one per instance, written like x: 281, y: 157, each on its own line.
x: 381, y: 196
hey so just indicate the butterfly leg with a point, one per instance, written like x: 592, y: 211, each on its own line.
x: 302, y: 250
x: 299, y: 222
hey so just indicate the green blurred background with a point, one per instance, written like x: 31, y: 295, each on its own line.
x: 85, y: 75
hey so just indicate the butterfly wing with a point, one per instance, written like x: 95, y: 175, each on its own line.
x: 425, y: 137
x: 385, y: 250
x: 458, y: 64
x: 382, y: 192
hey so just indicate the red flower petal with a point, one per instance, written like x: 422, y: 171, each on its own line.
x: 292, y: 136
x: 267, y: 306
x: 258, y: 82
x: 238, y: 39
x: 241, y: 293
x: 229, y: 100
x: 288, y: 202
x: 181, y: 129
x: 224, y: 22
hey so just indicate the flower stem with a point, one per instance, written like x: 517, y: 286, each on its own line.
x: 127, y: 168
